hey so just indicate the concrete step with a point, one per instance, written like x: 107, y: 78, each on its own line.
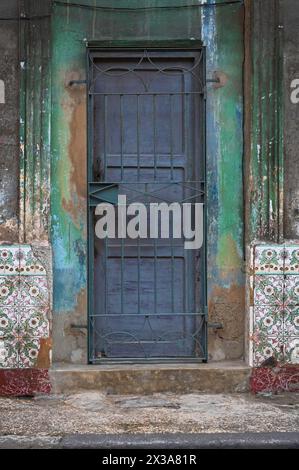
x: 128, y: 379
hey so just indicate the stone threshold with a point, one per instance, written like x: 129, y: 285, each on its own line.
x: 144, y: 379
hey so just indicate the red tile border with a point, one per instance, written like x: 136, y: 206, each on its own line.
x: 284, y: 378
x: 24, y: 382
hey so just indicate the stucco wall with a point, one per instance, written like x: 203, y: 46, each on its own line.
x: 222, y: 33
x: 290, y: 15
x: 9, y: 117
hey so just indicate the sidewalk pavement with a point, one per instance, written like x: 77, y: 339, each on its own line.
x: 94, y: 420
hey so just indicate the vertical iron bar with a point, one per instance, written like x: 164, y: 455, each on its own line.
x: 171, y: 136
x: 138, y: 267
x: 121, y: 138
x: 186, y: 150
x: 205, y: 254
x: 105, y: 136
x: 138, y: 140
x: 138, y: 178
x: 106, y: 252
x: 122, y: 274
x: 90, y: 246
x: 155, y: 274
x: 122, y: 177
x: 155, y: 178
x: 172, y: 276
x: 155, y: 136
x: 172, y: 178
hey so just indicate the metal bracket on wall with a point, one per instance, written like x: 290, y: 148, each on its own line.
x: 77, y: 82
x: 215, y: 326
x: 213, y: 80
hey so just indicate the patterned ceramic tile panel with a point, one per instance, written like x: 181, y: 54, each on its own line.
x: 291, y: 321
x: 29, y: 264
x: 24, y: 307
x: 275, y: 309
x: 292, y: 350
x: 9, y: 322
x: 33, y: 291
x: 9, y: 260
x: 28, y: 352
x: 8, y: 353
x: 292, y: 260
x: 34, y: 322
x: 291, y: 290
x: 268, y: 320
x: 268, y: 290
x: 268, y: 259
x: 9, y: 290
x: 265, y: 347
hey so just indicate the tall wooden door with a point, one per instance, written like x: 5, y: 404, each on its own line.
x: 146, y: 141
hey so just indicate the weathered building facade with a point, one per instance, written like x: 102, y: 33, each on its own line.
x: 69, y: 136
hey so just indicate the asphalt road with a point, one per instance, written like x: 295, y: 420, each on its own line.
x: 272, y: 440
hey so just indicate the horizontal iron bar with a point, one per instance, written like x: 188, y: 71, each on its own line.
x: 134, y: 183
x: 139, y: 245
x: 160, y: 360
x: 144, y: 94
x: 122, y: 315
x: 145, y: 167
x: 147, y: 94
x: 146, y: 257
x: 148, y: 342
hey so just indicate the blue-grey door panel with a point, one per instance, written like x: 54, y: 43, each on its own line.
x: 146, y: 112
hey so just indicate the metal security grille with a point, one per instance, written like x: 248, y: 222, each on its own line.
x: 147, y: 297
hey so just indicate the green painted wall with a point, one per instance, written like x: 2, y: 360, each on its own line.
x: 221, y: 30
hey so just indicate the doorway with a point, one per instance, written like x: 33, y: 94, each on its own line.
x: 147, y: 297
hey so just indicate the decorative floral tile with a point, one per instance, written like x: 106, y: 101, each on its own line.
x: 292, y: 350
x: 33, y: 291
x: 291, y: 260
x: 268, y: 290
x: 266, y: 347
x: 8, y: 353
x: 34, y: 322
x: 275, y: 329
x: 9, y: 290
x: 29, y: 264
x: 9, y: 260
x: 9, y: 323
x: 291, y: 321
x: 291, y: 290
x: 268, y: 320
x: 28, y: 352
x: 269, y: 259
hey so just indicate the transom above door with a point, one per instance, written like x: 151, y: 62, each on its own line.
x: 147, y: 142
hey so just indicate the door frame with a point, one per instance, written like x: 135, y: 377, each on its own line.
x: 165, y: 45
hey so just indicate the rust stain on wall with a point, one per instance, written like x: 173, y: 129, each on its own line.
x: 44, y: 355
x: 77, y: 145
x: 70, y: 333
x: 227, y: 306
x: 74, y: 106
